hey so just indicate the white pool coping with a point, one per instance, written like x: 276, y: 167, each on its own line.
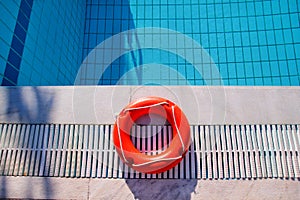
x: 101, y: 104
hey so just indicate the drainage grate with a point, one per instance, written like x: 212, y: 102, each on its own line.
x: 217, y: 152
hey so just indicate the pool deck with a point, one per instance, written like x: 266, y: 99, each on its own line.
x: 100, y: 105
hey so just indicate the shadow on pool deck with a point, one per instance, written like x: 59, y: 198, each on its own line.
x: 19, y: 107
x: 161, y: 188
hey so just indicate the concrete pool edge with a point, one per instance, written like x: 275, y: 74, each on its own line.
x: 203, y: 105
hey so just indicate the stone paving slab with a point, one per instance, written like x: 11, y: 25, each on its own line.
x: 67, y: 188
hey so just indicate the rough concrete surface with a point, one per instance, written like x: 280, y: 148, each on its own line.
x: 67, y: 188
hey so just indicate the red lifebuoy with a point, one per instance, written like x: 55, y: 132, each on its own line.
x: 152, y: 163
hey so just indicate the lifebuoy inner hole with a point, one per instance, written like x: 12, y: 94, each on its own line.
x: 151, y: 134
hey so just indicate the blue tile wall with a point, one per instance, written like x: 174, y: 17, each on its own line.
x: 9, y: 13
x: 12, y: 69
x: 42, y: 41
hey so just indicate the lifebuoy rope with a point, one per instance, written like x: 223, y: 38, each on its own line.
x: 121, y: 145
x: 157, y: 104
x: 177, y: 129
x: 153, y: 161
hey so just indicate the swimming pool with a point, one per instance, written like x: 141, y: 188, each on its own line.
x: 251, y: 42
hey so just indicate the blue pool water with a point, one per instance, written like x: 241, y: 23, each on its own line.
x: 251, y: 42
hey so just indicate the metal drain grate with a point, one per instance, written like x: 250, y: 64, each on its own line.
x: 217, y: 152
